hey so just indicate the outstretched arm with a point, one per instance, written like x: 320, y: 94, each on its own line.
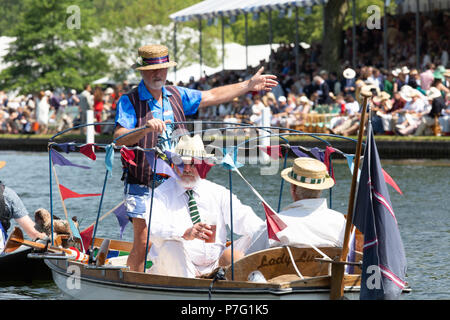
x: 259, y: 82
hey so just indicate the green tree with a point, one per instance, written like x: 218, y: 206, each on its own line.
x: 53, y: 47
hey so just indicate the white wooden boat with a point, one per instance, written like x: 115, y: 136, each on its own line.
x: 114, y: 281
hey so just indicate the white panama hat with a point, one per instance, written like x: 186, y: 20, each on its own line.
x: 305, y: 45
x: 192, y: 147
x: 349, y: 73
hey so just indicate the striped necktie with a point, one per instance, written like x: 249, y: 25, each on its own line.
x: 193, y: 210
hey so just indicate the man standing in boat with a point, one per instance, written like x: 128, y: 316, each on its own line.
x: 152, y: 105
x: 309, y: 219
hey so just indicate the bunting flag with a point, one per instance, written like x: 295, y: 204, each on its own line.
x: 109, y: 158
x: 228, y: 162
x: 326, y: 160
x: 274, y: 223
x: 86, y: 237
x: 74, y: 229
x: 67, y: 147
x: 203, y: 168
x: 58, y: 159
x: 318, y: 154
x: 273, y: 151
x: 175, y: 159
x: 67, y: 193
x: 128, y: 155
x: 298, y: 153
x: 162, y: 167
x: 88, y: 151
x: 384, y: 260
x: 122, y: 218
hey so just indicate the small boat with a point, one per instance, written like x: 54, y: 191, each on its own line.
x: 287, y: 273
x: 17, y: 267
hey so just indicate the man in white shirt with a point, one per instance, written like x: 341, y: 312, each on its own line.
x: 182, y: 245
x: 308, y: 219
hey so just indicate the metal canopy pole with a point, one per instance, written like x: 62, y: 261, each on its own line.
x: 175, y: 50
x: 270, y: 37
x: 223, y: 42
x: 297, y: 66
x: 200, y: 43
x: 385, y: 44
x: 246, y: 40
x: 354, y: 34
x: 417, y: 36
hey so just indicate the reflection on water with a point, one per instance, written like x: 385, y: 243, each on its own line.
x: 422, y: 210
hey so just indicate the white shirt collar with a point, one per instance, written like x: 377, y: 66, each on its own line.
x: 307, y: 203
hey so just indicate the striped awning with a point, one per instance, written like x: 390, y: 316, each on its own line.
x: 217, y: 8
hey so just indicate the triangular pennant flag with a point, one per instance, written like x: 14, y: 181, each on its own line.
x: 274, y: 223
x: 122, y: 218
x: 299, y: 153
x: 273, y: 151
x: 88, y: 151
x: 128, y: 155
x: 203, y: 168
x: 109, y: 158
x: 175, y: 158
x: 391, y: 181
x: 74, y: 229
x: 67, y: 193
x: 67, y: 147
x: 328, y: 152
x: 350, y: 163
x: 318, y: 154
x: 228, y: 162
x: 58, y: 159
x: 162, y: 167
x: 86, y: 237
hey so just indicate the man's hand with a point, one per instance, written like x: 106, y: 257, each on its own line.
x: 262, y: 82
x: 199, y: 230
x: 156, y: 125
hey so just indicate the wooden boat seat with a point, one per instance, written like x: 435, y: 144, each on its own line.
x: 285, y: 278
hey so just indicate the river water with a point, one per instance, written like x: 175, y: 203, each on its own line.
x: 422, y: 211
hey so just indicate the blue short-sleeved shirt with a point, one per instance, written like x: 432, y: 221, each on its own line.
x: 126, y: 115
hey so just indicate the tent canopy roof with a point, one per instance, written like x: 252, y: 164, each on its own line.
x: 218, y: 8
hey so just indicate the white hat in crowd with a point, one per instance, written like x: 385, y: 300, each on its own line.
x: 281, y: 99
x: 349, y: 73
x: 405, y: 70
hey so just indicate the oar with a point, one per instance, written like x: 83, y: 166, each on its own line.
x: 337, y: 273
x: 15, y: 240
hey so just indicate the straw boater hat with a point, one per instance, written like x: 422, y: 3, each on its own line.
x: 308, y: 173
x: 381, y: 97
x: 349, y: 73
x: 192, y: 147
x: 153, y: 56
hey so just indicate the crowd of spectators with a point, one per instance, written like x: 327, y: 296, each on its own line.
x: 410, y: 100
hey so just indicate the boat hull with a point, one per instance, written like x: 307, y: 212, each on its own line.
x: 74, y: 283
x: 17, y: 267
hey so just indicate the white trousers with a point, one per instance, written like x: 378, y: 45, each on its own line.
x: 173, y: 260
